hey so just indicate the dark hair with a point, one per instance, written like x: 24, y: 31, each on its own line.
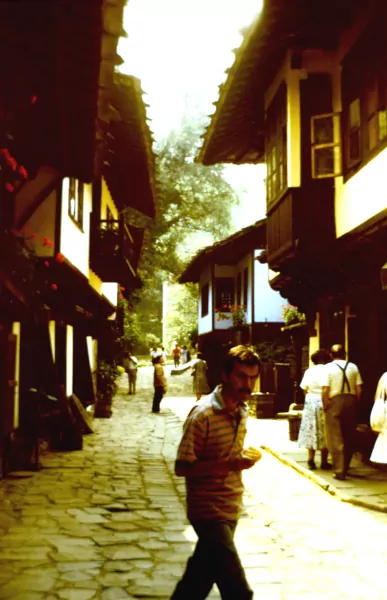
x: 243, y: 355
x: 320, y: 357
x: 156, y: 359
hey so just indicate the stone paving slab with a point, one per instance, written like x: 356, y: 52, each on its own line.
x: 366, y: 485
x: 108, y: 522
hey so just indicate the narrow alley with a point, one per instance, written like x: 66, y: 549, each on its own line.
x: 108, y: 522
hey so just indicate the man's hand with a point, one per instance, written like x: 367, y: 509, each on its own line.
x: 239, y: 464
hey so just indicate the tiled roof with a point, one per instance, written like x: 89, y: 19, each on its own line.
x: 227, y: 252
x: 235, y: 133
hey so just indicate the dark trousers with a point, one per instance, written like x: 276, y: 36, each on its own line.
x: 215, y: 560
x: 158, y: 396
x: 340, y: 420
x: 132, y: 377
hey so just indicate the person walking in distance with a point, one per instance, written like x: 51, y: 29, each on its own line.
x: 341, y: 390
x: 132, y: 368
x: 199, y: 370
x: 176, y: 353
x: 160, y: 383
x: 211, y: 458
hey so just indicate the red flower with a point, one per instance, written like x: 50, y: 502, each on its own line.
x: 33, y: 99
x: 59, y: 258
x: 122, y: 288
x: 23, y: 172
x: 216, y: 310
x: 9, y: 187
x: 120, y: 297
x: 225, y: 306
x: 32, y: 236
x: 46, y: 263
x: 54, y: 287
x: 47, y: 242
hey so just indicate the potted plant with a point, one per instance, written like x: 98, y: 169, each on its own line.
x: 232, y: 311
x: 291, y: 315
x: 107, y: 384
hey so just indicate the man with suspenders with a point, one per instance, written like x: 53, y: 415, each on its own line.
x: 340, y: 393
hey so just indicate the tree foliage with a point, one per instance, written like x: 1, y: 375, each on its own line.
x: 193, y: 201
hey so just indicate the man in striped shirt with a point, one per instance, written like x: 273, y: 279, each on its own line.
x: 210, y: 457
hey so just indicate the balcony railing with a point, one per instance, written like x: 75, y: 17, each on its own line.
x: 112, y: 250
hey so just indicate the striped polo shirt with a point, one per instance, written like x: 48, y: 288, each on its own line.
x: 211, y: 433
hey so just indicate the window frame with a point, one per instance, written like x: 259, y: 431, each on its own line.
x: 221, y: 291
x: 335, y: 144
x: 364, y: 79
x: 76, y: 201
x: 205, y: 300
x: 276, y: 146
x: 245, y: 285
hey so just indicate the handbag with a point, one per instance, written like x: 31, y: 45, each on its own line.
x: 378, y: 420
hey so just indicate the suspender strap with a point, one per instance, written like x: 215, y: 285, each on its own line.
x: 345, y: 379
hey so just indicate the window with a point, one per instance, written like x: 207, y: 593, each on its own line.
x: 204, y: 299
x: 364, y: 90
x: 245, y: 285
x: 354, y: 132
x: 276, y: 146
x: 224, y: 292
x: 376, y: 116
x: 326, y: 146
x: 76, y: 201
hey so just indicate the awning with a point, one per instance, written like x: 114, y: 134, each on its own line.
x: 227, y: 252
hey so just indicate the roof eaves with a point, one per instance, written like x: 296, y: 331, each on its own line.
x: 209, y: 254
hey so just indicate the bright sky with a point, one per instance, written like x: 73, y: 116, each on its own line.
x: 180, y: 50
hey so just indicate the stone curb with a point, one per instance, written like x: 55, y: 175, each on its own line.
x: 327, y: 487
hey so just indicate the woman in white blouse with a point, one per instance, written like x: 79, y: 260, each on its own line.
x: 312, y: 429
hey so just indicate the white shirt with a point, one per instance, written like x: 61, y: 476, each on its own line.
x: 333, y: 377
x: 312, y: 380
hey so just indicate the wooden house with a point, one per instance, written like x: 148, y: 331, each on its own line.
x: 76, y: 151
x: 307, y: 96
x: 230, y: 275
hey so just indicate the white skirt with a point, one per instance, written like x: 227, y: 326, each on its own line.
x: 379, y: 453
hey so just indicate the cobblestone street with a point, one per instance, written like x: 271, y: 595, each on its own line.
x: 108, y: 522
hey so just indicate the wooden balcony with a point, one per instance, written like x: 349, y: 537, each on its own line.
x: 301, y: 226
x: 112, y: 251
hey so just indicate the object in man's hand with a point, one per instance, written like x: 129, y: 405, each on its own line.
x: 252, y: 453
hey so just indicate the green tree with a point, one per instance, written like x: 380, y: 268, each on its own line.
x: 194, y: 202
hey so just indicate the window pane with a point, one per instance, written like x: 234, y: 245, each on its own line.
x: 324, y: 161
x: 372, y: 98
x: 373, y: 131
x: 268, y: 188
x: 354, y: 146
x: 323, y: 130
x: 382, y: 117
x: 354, y: 114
